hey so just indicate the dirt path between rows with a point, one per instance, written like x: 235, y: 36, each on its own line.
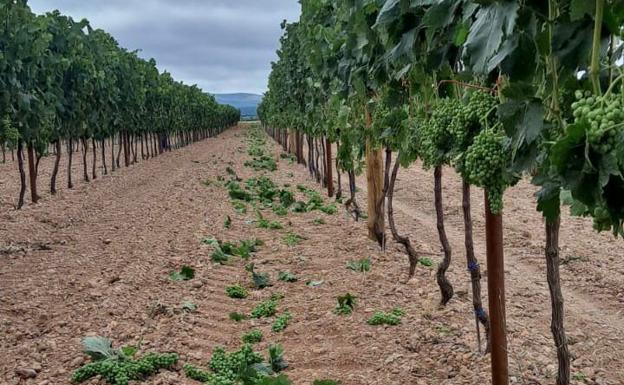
x: 95, y: 261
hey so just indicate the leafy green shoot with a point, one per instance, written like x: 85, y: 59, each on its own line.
x: 319, y: 221
x: 346, y: 304
x: 392, y: 318
x: 361, y: 266
x: 237, y: 317
x: 281, y: 322
x: 276, y: 358
x: 265, y: 309
x: 292, y: 239
x: 237, y: 291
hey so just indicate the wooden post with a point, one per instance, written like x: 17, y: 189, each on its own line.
x: 291, y: 141
x: 374, y: 180
x: 496, y: 294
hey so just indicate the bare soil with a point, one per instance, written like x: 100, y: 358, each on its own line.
x: 96, y: 260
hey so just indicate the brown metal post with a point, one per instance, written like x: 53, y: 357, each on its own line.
x: 496, y: 294
x: 330, y: 177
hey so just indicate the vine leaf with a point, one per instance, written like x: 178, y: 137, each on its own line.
x: 99, y: 348
x: 580, y: 8
x: 389, y: 12
x: 486, y: 34
x: 523, y: 120
x: 571, y: 42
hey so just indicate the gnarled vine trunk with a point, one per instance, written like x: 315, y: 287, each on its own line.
x: 351, y: 203
x: 70, y: 156
x: 103, y: 150
x: 57, y: 161
x: 20, y: 164
x: 32, y: 172
x: 474, y: 269
x: 338, y: 176
x: 93, y: 174
x: 403, y: 240
x: 85, y: 149
x: 329, y: 173
x: 119, y: 150
x: 556, y: 298
x: 446, y: 289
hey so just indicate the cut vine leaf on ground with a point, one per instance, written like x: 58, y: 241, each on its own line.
x: 315, y: 283
x: 186, y: 273
x: 287, y: 276
x: 189, y: 307
x: 425, y: 261
x: 260, y: 280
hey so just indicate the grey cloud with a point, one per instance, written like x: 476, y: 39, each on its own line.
x: 221, y: 45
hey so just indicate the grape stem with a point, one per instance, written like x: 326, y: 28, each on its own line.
x: 467, y: 85
x: 613, y: 83
x: 595, y: 57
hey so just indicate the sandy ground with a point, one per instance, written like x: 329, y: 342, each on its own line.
x: 95, y: 261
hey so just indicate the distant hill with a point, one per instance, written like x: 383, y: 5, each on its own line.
x: 246, y: 103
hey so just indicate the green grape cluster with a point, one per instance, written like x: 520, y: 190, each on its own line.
x: 252, y: 337
x: 9, y: 133
x: 484, y: 166
x: 119, y: 371
x: 237, y: 291
x: 197, y: 374
x: 379, y: 118
x: 472, y: 117
x: 281, y: 322
x: 390, y: 118
x: 435, y: 138
x: 266, y: 308
x: 604, y: 115
x: 228, y: 367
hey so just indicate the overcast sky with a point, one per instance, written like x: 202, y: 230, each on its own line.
x: 221, y: 45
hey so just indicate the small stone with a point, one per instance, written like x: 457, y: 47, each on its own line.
x: 107, y: 241
x: 319, y: 350
x: 392, y: 358
x: 25, y: 373
x: 77, y: 362
x: 197, y: 284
